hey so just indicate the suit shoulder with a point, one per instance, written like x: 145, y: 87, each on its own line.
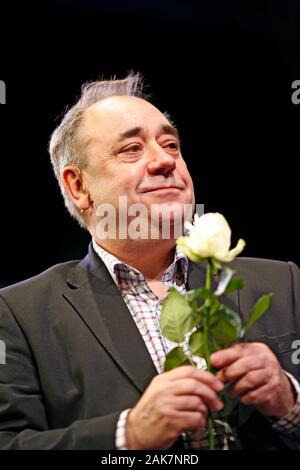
x: 254, y: 263
x: 267, y: 272
x: 52, y: 276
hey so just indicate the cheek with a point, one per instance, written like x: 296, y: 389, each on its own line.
x: 130, y: 177
x: 185, y: 175
x: 136, y: 171
x: 189, y: 190
x: 123, y: 180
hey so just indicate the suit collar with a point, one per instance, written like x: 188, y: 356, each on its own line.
x: 95, y: 297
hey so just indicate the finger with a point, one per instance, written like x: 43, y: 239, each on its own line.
x: 191, y: 403
x: 257, y: 396
x: 191, y: 387
x: 209, y: 397
x: 190, y: 372
x: 225, y: 357
x: 191, y: 420
x: 242, y: 367
x: 251, y: 381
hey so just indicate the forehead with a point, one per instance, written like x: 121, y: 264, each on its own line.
x: 112, y: 116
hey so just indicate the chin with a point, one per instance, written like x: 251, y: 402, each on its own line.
x: 167, y: 224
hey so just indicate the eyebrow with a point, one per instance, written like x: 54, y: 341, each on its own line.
x: 135, y: 131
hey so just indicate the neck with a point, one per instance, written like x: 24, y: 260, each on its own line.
x: 150, y: 257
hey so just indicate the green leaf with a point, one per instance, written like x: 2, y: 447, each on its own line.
x: 176, y: 358
x: 214, y: 305
x: 177, y: 317
x: 194, y: 296
x: 258, y: 310
x: 197, y: 344
x: 235, y: 284
x: 213, y: 346
x: 225, y: 327
x: 225, y: 278
x: 198, y: 294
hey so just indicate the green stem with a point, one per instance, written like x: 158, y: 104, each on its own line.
x: 210, y: 425
x: 207, y: 312
x: 211, y: 437
x: 208, y: 275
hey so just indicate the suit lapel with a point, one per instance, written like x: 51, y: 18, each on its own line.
x: 97, y: 300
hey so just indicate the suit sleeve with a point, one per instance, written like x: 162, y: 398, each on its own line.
x: 23, y: 414
x: 295, y: 273
x: 289, y: 426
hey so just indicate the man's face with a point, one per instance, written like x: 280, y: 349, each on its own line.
x: 133, y: 151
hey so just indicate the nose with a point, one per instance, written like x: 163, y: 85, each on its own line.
x: 161, y: 163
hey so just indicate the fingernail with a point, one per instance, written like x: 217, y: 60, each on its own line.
x: 218, y: 385
x: 220, y: 406
x: 214, y: 360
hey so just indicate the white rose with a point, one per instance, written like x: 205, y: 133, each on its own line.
x: 209, y: 237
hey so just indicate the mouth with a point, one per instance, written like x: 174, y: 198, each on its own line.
x: 162, y: 188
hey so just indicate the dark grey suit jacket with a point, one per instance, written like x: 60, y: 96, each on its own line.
x: 75, y: 359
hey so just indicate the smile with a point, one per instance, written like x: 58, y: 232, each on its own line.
x: 162, y: 188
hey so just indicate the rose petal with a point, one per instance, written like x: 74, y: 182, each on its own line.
x: 235, y: 251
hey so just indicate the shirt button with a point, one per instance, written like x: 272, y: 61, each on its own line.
x: 132, y: 273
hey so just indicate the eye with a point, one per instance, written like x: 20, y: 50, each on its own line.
x: 132, y: 148
x: 172, y: 145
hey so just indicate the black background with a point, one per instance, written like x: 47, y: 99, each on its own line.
x: 223, y: 69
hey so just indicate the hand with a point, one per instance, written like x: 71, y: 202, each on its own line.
x: 257, y: 378
x: 174, y: 402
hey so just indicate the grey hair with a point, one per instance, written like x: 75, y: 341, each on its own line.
x: 65, y: 144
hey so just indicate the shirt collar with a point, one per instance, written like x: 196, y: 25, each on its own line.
x: 177, y: 271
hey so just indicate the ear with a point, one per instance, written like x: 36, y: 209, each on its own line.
x: 72, y: 180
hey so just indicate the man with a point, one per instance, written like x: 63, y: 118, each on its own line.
x: 84, y: 354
